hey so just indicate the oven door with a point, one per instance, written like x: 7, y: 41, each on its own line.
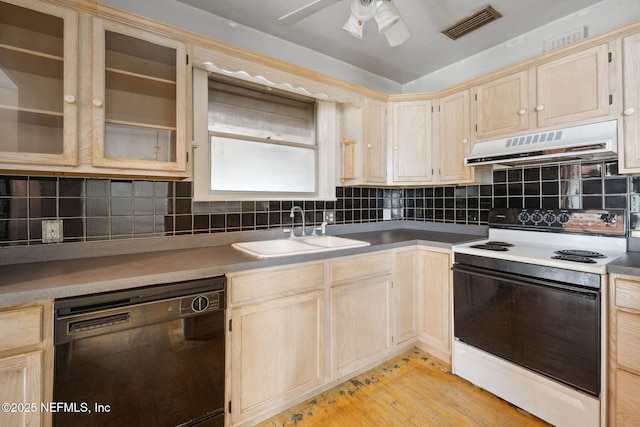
x: 548, y: 327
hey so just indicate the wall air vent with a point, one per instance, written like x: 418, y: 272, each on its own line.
x: 471, y: 23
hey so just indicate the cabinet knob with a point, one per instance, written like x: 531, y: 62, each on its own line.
x: 522, y: 112
x: 395, y: 148
x: 629, y: 111
x: 465, y: 141
x: 368, y: 145
x: 97, y: 102
x: 540, y: 107
x: 69, y: 99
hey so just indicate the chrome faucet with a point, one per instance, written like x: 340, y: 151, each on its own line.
x: 292, y: 215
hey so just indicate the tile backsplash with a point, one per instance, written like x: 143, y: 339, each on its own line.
x: 106, y: 209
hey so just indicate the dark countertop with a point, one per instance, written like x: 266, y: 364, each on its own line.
x: 20, y: 283
x: 628, y: 264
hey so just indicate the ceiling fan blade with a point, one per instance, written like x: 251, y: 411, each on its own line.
x: 305, y: 11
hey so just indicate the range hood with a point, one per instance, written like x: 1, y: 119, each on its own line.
x: 593, y: 141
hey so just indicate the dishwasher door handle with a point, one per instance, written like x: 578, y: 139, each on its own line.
x: 98, y: 322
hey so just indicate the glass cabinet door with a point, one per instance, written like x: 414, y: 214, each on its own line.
x: 138, y: 99
x: 38, y: 89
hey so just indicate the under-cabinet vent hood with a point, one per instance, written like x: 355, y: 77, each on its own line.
x: 598, y: 140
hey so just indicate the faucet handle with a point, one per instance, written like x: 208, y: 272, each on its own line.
x: 290, y: 231
x: 322, y: 229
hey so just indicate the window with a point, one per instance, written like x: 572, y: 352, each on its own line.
x: 260, y: 143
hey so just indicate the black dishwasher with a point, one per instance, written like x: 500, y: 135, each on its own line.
x: 151, y: 356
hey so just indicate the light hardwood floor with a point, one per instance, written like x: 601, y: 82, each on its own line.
x: 413, y: 389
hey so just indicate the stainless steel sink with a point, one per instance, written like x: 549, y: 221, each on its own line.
x: 303, y: 245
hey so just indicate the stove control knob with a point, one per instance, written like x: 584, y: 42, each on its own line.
x: 524, y: 217
x: 549, y: 218
x: 536, y: 217
x: 608, y: 219
x: 564, y: 218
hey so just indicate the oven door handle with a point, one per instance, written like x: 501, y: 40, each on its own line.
x: 524, y: 280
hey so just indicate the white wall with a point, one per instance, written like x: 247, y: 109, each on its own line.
x: 598, y: 18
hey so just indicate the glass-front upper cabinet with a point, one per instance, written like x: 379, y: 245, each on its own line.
x: 139, y: 105
x: 38, y: 84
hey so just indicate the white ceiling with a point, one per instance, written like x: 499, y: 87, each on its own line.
x: 426, y: 51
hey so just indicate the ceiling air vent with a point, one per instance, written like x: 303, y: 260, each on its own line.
x: 472, y: 22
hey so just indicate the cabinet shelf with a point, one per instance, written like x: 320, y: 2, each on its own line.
x: 140, y: 125
x: 30, y: 30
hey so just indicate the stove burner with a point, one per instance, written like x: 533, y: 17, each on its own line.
x: 497, y: 243
x: 580, y: 253
x: 575, y: 258
x: 490, y: 247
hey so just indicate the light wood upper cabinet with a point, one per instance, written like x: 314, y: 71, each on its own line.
x: 454, y: 138
x: 375, y: 141
x: 411, y: 142
x: 574, y: 87
x: 38, y: 84
x: 630, y: 152
x: 138, y: 99
x: 502, y: 106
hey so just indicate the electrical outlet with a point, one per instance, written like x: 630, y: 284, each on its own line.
x: 329, y: 217
x: 52, y: 231
x: 634, y: 202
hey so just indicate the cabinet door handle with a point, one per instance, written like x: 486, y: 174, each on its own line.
x: 97, y: 102
x: 368, y: 145
x: 395, y: 148
x: 629, y: 111
x: 465, y: 140
x: 540, y: 107
x: 69, y: 99
x: 522, y: 112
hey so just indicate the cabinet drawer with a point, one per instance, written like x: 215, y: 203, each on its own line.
x: 628, y: 350
x: 20, y: 328
x: 272, y: 281
x: 360, y: 266
x: 628, y: 294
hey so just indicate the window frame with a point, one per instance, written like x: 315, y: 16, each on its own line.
x: 327, y: 135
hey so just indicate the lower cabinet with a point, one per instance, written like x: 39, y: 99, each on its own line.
x: 276, y: 341
x: 624, y: 348
x: 276, y: 351
x: 405, y: 291
x: 434, y: 299
x: 25, y: 364
x: 297, y: 330
x: 360, y: 323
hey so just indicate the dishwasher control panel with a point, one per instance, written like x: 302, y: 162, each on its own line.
x: 201, y: 303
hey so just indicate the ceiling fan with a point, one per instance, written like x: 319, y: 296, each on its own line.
x: 386, y: 14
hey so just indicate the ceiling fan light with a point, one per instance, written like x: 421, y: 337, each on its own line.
x: 397, y: 33
x: 363, y: 9
x: 385, y: 17
x: 353, y: 26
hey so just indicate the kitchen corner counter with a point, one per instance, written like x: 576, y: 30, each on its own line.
x: 628, y: 264
x: 21, y: 283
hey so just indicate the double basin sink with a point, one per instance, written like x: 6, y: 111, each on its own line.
x: 297, y: 246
